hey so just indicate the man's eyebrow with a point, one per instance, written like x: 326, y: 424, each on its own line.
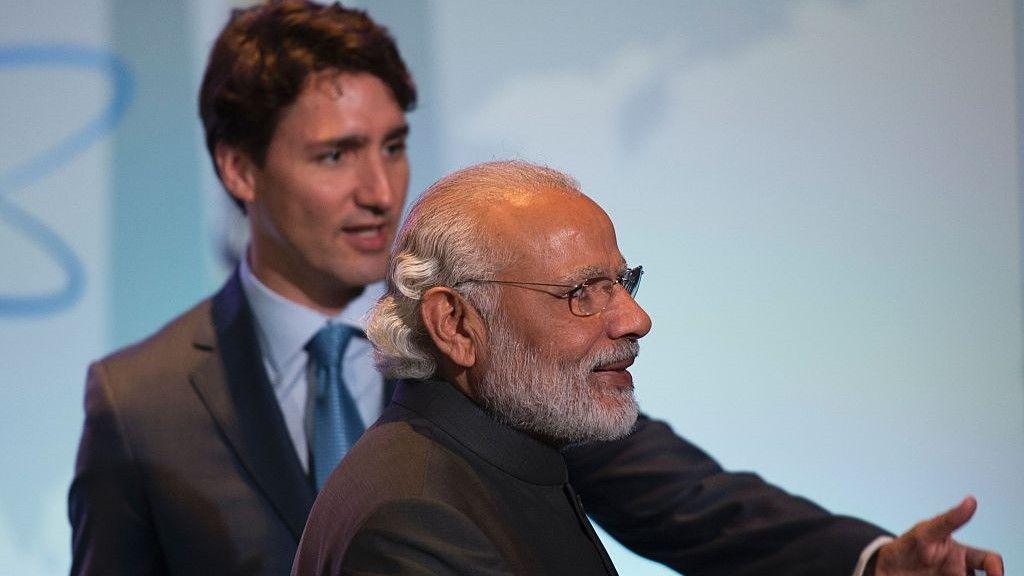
x: 356, y: 141
x: 351, y: 142
x: 397, y: 132
x: 583, y: 274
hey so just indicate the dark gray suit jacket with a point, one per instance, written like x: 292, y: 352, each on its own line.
x: 185, y: 466
x: 437, y: 486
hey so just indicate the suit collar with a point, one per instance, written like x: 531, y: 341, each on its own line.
x: 502, y: 446
x: 235, y: 389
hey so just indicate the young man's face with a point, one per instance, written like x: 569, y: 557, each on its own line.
x: 324, y: 206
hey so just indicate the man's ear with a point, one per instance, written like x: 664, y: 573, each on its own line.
x: 453, y: 324
x: 237, y: 172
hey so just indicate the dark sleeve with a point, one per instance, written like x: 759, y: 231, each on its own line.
x: 411, y: 538
x: 668, y: 501
x: 111, y: 529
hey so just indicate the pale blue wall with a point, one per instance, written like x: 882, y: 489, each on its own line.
x: 825, y: 194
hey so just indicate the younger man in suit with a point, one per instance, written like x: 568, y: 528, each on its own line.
x: 196, y: 455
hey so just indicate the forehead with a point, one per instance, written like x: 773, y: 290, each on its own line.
x: 559, y: 237
x: 333, y: 102
x: 332, y: 83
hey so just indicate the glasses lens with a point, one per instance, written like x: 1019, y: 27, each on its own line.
x: 631, y: 280
x: 593, y: 296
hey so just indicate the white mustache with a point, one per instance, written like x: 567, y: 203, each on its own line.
x: 623, y: 350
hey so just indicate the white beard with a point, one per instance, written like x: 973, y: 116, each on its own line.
x: 552, y: 399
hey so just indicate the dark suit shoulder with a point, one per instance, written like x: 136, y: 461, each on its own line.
x: 391, y: 462
x: 399, y: 470
x: 169, y: 351
x: 147, y: 384
x: 429, y: 459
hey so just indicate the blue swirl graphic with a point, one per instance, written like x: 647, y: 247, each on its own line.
x: 120, y: 77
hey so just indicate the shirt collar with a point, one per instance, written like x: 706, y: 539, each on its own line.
x: 284, y: 327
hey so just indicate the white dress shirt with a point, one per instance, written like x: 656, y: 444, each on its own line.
x: 283, y: 328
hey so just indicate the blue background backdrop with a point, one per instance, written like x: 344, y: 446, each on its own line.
x: 825, y: 195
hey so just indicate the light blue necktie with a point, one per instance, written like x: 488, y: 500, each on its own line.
x: 336, y: 421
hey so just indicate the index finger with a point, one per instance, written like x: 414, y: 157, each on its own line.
x: 942, y: 526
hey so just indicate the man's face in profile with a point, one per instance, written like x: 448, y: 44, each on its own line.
x: 549, y: 371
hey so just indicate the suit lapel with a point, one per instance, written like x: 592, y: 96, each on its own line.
x: 234, y: 387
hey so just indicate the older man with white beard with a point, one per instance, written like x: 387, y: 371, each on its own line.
x: 553, y: 400
x: 510, y: 314
x: 510, y: 311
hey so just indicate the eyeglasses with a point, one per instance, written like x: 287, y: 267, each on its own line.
x: 588, y: 297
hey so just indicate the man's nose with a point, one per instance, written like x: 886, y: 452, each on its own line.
x: 625, y: 318
x: 375, y: 186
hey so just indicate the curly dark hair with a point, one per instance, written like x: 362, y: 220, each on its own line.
x: 260, y: 62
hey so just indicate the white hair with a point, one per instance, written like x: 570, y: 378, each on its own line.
x: 446, y: 241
